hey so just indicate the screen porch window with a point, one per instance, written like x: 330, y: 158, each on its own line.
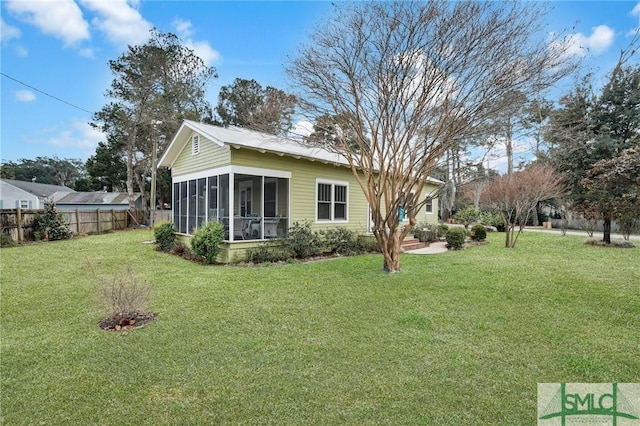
x: 270, y: 198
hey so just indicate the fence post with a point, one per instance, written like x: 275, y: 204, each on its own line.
x: 113, y: 220
x: 98, y: 215
x: 77, y: 222
x: 19, y: 223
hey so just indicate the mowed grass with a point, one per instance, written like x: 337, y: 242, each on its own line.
x: 455, y: 338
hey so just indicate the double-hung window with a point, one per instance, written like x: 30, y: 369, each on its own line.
x: 331, y: 201
x: 429, y: 205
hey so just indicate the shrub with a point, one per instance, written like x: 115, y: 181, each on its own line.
x: 426, y: 233
x: 7, y: 241
x: 124, y: 294
x: 468, y: 215
x: 455, y: 238
x: 628, y: 225
x: 478, y: 233
x: 165, y: 234
x: 50, y: 225
x: 442, y: 230
x: 266, y: 253
x: 342, y: 241
x: 302, y: 241
x: 589, y: 226
x: 490, y: 218
x: 369, y: 244
x: 207, y: 241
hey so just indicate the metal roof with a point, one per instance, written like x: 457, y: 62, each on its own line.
x: 41, y: 190
x: 237, y: 137
x: 243, y: 138
x: 98, y: 198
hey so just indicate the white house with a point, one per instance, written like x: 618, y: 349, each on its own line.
x: 29, y: 195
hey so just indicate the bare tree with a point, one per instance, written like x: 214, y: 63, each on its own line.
x: 515, y: 196
x: 416, y: 77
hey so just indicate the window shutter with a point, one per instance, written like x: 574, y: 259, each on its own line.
x: 17, y: 204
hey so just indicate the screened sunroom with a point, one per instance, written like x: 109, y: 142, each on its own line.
x: 250, y: 206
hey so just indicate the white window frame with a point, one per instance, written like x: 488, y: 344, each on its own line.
x: 333, y: 184
x: 24, y: 204
x: 428, y: 205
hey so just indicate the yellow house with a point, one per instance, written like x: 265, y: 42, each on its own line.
x: 258, y: 184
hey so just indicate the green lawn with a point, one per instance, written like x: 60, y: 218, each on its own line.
x: 459, y: 338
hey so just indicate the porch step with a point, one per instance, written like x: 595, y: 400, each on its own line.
x: 411, y: 244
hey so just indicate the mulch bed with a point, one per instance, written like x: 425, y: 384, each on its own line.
x: 127, y: 322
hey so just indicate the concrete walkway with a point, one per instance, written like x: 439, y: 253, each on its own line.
x: 433, y: 248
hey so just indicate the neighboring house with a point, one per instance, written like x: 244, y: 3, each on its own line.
x: 29, y: 195
x: 98, y: 200
x: 258, y: 185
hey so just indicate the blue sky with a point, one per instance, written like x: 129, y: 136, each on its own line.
x: 61, y: 47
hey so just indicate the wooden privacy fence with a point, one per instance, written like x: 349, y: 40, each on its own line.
x: 18, y: 223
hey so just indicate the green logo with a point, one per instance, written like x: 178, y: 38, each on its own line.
x: 616, y: 404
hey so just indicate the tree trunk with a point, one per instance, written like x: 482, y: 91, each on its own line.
x: 391, y: 253
x: 507, y: 233
x: 130, y: 189
x: 607, y: 230
x: 509, y: 146
x: 389, y: 242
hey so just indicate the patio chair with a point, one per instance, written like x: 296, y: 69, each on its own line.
x: 271, y: 226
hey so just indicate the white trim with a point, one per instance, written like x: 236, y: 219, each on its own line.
x: 242, y: 170
x: 333, y: 183
x: 231, y: 213
x: 432, y: 209
x: 245, y: 184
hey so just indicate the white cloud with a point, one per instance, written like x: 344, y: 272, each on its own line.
x: 7, y: 32
x: 203, y: 49
x: 59, y: 18
x: 598, y: 42
x: 119, y: 21
x: 635, y: 12
x: 301, y: 129
x: 77, y: 134
x: 25, y: 96
x: 86, y: 52
x: 21, y: 51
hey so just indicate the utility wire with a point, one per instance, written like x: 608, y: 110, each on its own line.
x: 45, y: 93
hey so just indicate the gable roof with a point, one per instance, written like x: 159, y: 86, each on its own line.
x: 40, y: 190
x: 238, y: 137
x: 100, y: 198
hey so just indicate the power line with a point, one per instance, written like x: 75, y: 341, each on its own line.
x: 45, y: 93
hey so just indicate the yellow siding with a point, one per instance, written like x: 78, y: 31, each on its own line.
x: 303, y: 186
x: 210, y: 156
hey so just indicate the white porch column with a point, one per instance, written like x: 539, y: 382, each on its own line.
x: 231, y: 205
